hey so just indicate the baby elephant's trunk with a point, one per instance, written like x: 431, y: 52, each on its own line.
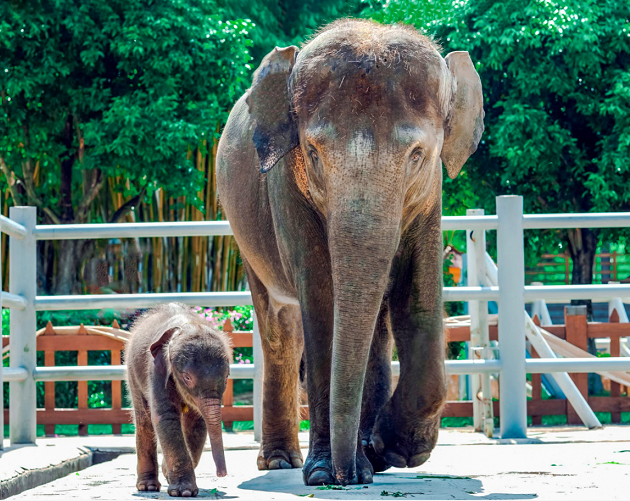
x: 211, y: 411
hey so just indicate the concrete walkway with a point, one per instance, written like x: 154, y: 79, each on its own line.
x: 553, y: 463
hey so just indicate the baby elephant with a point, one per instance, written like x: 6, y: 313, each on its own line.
x: 178, y: 367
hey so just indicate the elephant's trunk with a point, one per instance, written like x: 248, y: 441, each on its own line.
x: 211, y: 411
x: 363, y: 234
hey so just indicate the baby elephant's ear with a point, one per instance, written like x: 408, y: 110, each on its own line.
x: 163, y: 339
x: 269, y: 103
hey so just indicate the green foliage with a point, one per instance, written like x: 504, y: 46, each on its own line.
x: 556, y: 78
x: 286, y: 22
x: 122, y: 87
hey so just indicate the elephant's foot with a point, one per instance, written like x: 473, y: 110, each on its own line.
x: 318, y: 469
x: 279, y: 457
x: 184, y: 485
x: 404, y: 442
x: 148, y: 482
x: 378, y: 462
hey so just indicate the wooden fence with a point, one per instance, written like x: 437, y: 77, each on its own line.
x: 555, y: 269
x: 576, y: 330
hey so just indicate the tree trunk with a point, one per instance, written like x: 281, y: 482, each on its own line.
x: 582, y: 248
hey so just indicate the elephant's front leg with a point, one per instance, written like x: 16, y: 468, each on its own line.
x: 407, y: 427
x: 177, y: 465
x: 377, y: 388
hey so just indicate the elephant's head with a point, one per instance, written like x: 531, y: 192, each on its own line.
x: 375, y: 111
x: 198, y: 358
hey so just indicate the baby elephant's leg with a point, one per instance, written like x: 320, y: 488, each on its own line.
x: 180, y: 472
x: 195, y: 433
x: 146, y: 448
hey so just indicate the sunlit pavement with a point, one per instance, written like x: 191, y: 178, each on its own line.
x: 551, y: 464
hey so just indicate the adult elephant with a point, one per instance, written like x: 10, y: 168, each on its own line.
x: 329, y: 171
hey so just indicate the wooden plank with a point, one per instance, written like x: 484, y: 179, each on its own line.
x: 536, y: 389
x: 242, y: 339
x: 609, y: 404
x: 116, y: 390
x: 82, y: 388
x: 576, y: 334
x: 49, y: 392
x: 615, y: 388
x: 72, y: 342
x: 608, y: 330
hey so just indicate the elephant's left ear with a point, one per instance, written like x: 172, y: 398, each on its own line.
x: 269, y: 103
x: 465, y: 123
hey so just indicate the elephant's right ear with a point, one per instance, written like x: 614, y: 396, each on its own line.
x: 269, y: 103
x: 161, y: 340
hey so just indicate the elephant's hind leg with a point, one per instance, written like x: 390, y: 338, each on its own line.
x: 282, y: 344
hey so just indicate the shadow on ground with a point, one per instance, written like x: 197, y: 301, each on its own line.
x: 389, y: 485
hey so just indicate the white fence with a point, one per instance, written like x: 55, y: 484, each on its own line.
x: 510, y: 293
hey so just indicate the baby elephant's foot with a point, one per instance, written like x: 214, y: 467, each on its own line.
x: 148, y: 483
x: 279, y: 458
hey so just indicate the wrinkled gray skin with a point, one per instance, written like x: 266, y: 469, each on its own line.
x: 340, y: 237
x: 177, y: 372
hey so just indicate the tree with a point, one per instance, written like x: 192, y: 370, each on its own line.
x: 556, y: 78
x: 125, y: 89
x: 287, y: 22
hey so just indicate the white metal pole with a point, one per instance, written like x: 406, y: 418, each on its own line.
x: 22, y: 281
x: 540, y: 308
x: 479, y: 329
x: 258, y: 380
x: 511, y: 276
x: 474, y: 311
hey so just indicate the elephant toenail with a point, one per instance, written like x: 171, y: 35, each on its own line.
x: 320, y: 477
x: 418, y: 459
x: 274, y: 464
x: 395, y: 460
x: 186, y: 494
x: 284, y: 465
x: 297, y: 463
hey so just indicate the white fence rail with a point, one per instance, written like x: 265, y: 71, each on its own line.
x: 510, y: 222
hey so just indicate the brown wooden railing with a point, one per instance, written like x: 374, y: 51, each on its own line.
x: 576, y: 330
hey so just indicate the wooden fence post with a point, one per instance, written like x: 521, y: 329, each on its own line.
x: 536, y: 382
x: 576, y: 334
x: 82, y: 386
x: 615, y: 388
x: 49, y: 387
x: 228, y: 396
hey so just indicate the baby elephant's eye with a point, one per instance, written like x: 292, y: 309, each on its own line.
x: 187, y: 379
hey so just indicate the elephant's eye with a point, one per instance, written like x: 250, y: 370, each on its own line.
x: 187, y: 379
x: 416, y: 155
x: 313, y: 155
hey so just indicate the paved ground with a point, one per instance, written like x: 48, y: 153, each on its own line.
x: 552, y: 464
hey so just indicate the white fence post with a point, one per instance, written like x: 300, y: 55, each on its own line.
x: 511, y: 277
x: 22, y: 281
x: 258, y: 380
x: 479, y: 329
